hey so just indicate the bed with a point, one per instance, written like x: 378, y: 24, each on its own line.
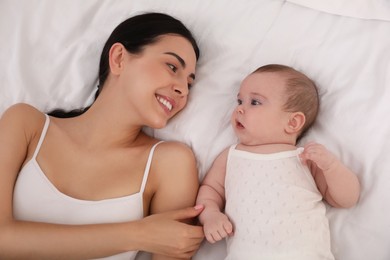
x: 50, y: 50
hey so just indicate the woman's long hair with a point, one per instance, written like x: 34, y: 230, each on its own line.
x: 134, y: 34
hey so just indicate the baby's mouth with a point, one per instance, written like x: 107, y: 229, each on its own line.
x: 239, y: 125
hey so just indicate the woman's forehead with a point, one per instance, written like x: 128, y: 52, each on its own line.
x: 180, y: 46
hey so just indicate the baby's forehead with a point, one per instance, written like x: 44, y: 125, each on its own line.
x: 265, y: 81
x: 280, y: 74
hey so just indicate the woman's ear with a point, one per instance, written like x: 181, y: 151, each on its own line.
x: 116, y: 58
x: 295, y: 123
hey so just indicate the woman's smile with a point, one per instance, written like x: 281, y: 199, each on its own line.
x: 166, y: 103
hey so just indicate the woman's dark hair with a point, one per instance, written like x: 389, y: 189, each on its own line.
x: 135, y: 33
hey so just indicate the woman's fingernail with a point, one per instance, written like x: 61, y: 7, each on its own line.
x: 197, y: 207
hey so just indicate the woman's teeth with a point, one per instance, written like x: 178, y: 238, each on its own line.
x: 165, y: 102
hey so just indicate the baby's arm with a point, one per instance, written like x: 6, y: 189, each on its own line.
x: 216, y: 225
x: 337, y: 183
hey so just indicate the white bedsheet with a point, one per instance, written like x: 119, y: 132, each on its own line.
x: 49, y: 52
x: 364, y: 9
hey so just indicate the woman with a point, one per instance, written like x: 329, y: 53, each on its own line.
x: 92, y: 184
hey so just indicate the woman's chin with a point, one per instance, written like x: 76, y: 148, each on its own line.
x: 158, y: 124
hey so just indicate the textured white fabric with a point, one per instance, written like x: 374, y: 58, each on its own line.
x: 275, y: 207
x: 37, y: 199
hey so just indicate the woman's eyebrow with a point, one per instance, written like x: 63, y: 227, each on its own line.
x: 182, y: 62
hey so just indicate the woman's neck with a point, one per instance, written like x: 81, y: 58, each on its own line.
x: 100, y: 128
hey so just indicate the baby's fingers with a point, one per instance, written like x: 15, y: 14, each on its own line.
x: 213, y: 237
x: 228, y: 228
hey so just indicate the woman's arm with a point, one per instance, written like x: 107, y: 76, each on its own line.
x: 160, y: 233
x: 337, y: 183
x: 20, y: 126
x: 175, y: 181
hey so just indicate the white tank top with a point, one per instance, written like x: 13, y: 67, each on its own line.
x: 37, y: 199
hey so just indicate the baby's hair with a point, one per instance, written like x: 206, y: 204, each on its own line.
x: 302, y: 93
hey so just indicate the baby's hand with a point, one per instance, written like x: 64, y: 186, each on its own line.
x: 217, y: 226
x: 318, y: 154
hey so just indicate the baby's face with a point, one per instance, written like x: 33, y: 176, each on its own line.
x: 259, y: 117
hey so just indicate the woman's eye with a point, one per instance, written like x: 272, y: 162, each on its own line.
x: 172, y: 67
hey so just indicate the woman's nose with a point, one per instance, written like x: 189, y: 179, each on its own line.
x: 181, y: 88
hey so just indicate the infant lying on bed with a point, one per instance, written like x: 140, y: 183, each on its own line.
x: 273, y: 190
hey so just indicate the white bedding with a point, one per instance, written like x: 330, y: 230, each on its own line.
x: 49, y: 52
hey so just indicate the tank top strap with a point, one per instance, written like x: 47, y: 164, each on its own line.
x: 42, y: 137
x: 147, y: 168
x: 232, y: 147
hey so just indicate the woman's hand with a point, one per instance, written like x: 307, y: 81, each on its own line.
x: 166, y: 234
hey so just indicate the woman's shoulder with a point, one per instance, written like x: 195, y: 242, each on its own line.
x: 173, y: 158
x: 173, y: 151
x: 23, y: 116
x: 174, y: 177
x: 22, y: 109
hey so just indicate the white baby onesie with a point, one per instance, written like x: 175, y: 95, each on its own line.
x: 275, y: 207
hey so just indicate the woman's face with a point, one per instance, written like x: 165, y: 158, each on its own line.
x: 155, y: 83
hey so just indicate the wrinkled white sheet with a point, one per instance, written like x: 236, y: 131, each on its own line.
x: 364, y: 9
x: 49, y: 58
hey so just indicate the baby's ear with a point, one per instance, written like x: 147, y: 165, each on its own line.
x: 295, y: 123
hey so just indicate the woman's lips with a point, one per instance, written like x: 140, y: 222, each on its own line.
x: 167, y: 103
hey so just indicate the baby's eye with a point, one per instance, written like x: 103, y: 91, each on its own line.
x: 172, y: 67
x: 255, y: 102
x: 239, y: 101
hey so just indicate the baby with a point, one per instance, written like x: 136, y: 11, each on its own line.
x: 265, y: 194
